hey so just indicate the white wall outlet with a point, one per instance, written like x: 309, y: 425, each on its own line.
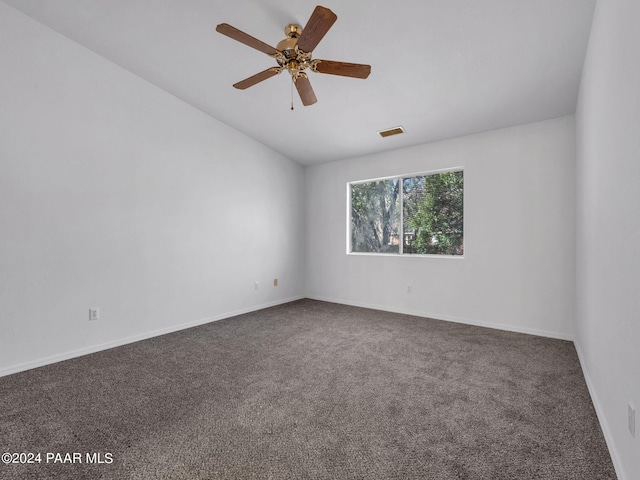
x: 256, y: 286
x: 632, y: 420
x: 409, y: 289
x: 94, y: 313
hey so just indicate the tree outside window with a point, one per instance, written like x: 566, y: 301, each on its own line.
x: 424, y: 216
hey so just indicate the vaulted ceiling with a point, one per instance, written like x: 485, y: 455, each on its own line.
x: 440, y: 68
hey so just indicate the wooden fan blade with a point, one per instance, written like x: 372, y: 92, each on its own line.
x: 354, y: 70
x: 257, y: 78
x: 318, y: 25
x: 303, y: 85
x: 240, y: 36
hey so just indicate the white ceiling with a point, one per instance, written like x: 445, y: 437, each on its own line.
x: 440, y: 68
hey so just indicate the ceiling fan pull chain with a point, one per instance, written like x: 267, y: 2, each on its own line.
x: 291, y: 93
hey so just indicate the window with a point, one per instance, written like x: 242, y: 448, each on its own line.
x: 417, y: 214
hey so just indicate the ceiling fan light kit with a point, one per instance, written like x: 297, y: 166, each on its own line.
x: 294, y: 54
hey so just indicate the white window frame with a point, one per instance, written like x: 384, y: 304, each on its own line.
x: 400, y: 178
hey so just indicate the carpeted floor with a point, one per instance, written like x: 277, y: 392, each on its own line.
x: 310, y: 390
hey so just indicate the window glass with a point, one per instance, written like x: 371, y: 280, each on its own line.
x: 375, y: 216
x: 425, y: 217
x: 433, y: 214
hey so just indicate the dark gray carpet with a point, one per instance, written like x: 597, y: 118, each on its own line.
x: 312, y: 390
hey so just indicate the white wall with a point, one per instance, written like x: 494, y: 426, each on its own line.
x: 519, y: 264
x: 608, y: 225
x: 117, y: 195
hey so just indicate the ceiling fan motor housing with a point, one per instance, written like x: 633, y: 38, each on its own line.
x: 288, y: 45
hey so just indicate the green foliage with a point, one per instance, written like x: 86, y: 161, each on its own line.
x: 432, y: 211
x: 433, y: 214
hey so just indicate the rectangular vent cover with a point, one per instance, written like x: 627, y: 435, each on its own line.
x: 391, y: 131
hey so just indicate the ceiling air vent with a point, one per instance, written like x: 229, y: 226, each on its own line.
x: 391, y: 131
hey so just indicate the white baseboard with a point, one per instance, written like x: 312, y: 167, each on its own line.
x: 608, y: 437
x: 40, y: 362
x: 174, y: 328
x: 449, y: 318
x: 144, y: 336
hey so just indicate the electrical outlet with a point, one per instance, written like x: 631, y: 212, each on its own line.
x: 632, y: 420
x: 409, y: 289
x: 275, y: 282
x: 94, y: 313
x: 256, y: 286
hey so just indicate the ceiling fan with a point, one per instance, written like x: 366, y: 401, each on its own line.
x: 294, y: 54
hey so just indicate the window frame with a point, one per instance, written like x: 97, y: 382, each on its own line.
x: 400, y: 179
